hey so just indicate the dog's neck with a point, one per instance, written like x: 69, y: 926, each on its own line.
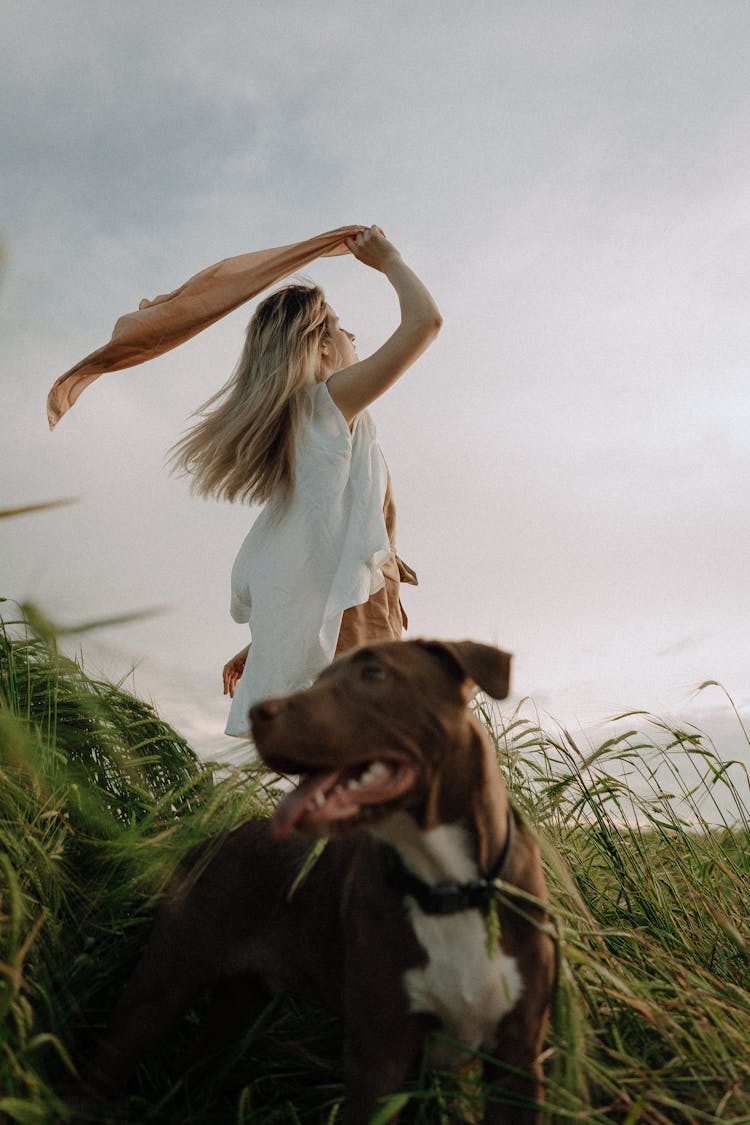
x: 436, y: 855
x: 463, y: 828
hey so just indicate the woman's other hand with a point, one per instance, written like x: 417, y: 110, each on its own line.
x: 372, y: 248
x: 232, y: 671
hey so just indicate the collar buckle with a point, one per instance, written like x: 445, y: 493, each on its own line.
x: 448, y: 897
x: 443, y: 898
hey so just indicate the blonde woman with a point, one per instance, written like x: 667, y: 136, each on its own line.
x: 318, y: 571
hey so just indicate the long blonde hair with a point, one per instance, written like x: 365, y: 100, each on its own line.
x: 243, y: 447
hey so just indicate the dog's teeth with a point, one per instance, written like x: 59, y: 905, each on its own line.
x: 373, y: 772
x: 339, y: 789
x: 353, y: 783
x: 319, y: 800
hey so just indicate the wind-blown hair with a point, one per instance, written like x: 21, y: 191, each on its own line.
x: 243, y: 448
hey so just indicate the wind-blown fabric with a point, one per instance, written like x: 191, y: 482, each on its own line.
x: 158, y: 326
x: 307, y: 560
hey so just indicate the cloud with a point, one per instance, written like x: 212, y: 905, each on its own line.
x: 684, y: 645
x: 571, y: 180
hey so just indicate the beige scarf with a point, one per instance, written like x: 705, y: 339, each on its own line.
x: 169, y: 320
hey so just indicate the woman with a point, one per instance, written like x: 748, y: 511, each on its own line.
x: 318, y: 573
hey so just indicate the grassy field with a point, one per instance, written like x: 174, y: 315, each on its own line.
x: 646, y: 841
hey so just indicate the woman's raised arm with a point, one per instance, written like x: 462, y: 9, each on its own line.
x: 354, y: 388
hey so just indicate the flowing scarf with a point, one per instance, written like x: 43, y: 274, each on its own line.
x: 158, y: 326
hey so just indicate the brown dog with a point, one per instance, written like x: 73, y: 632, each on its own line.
x: 390, y: 926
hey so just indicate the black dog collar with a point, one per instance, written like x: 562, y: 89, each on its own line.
x: 448, y: 897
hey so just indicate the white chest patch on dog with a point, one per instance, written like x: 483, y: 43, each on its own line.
x: 467, y: 989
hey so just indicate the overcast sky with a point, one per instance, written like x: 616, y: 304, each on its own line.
x: 571, y: 179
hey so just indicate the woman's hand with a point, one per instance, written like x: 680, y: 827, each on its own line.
x: 232, y: 671
x: 373, y: 249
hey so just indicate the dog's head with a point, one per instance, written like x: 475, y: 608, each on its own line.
x: 375, y: 730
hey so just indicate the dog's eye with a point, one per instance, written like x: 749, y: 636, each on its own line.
x: 372, y: 672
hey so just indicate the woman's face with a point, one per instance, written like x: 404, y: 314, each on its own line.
x: 337, y: 346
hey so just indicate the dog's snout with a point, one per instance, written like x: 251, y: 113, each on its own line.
x: 264, y: 712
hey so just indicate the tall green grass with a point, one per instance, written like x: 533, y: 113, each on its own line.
x: 646, y: 845
x: 98, y: 798
x: 647, y: 849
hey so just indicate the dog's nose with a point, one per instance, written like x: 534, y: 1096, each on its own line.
x: 264, y: 712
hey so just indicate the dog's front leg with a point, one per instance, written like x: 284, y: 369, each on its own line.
x: 514, y: 1083
x: 379, y: 1050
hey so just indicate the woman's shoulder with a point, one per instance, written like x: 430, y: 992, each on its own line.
x: 326, y: 419
x: 328, y: 415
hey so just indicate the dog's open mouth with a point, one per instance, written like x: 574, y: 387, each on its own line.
x: 341, y: 794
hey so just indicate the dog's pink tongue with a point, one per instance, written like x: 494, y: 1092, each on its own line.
x: 291, y: 809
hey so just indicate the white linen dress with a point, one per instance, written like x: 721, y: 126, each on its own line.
x: 308, y: 559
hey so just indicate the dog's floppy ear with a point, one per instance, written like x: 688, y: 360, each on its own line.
x: 487, y: 666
